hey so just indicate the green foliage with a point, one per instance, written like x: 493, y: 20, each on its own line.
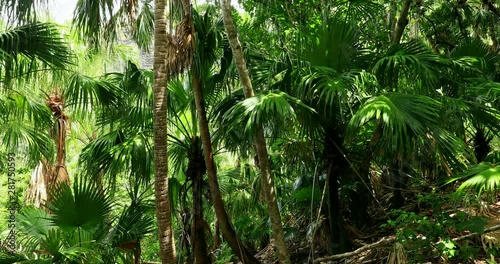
x: 481, y: 179
x: 23, y: 48
x: 429, y: 237
x: 83, y: 206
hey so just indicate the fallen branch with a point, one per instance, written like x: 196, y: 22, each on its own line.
x: 487, y: 230
x: 389, y: 240
x: 382, y: 242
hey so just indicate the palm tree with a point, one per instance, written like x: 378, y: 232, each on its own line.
x: 78, y: 228
x: 25, y: 52
x: 260, y: 142
x: 45, y: 175
x: 204, y: 58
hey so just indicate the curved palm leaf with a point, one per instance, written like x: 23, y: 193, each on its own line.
x: 143, y: 30
x: 20, y: 136
x: 401, y: 116
x: 89, y: 18
x: 22, y: 47
x: 399, y: 111
x: 84, y: 92
x: 255, y: 111
x: 132, y: 225
x: 482, y: 178
x: 413, y: 60
x: 21, y: 10
x: 83, y: 206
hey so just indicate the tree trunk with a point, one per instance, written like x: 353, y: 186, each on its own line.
x: 402, y: 22
x: 137, y: 253
x: 47, y: 175
x: 196, y: 170
x: 227, y: 230
x: 493, y: 36
x: 162, y: 200
x: 259, y: 140
x: 391, y: 18
x: 338, y: 169
x: 217, y: 241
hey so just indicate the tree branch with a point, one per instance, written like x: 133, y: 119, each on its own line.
x: 382, y: 242
x: 391, y: 239
x: 402, y: 22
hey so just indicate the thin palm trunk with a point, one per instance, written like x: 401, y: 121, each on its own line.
x: 196, y: 170
x: 162, y: 201
x: 223, y: 219
x: 402, y: 22
x: 259, y: 140
x: 46, y: 175
x: 493, y: 36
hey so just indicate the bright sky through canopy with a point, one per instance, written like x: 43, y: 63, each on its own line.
x: 62, y: 10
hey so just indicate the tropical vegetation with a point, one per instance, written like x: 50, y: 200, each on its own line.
x: 354, y: 131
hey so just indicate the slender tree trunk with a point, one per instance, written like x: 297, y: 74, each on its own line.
x: 217, y: 240
x: 196, y: 170
x: 162, y: 200
x: 260, y: 142
x: 227, y: 230
x: 402, y: 22
x: 391, y: 18
x: 493, y: 36
x: 137, y: 253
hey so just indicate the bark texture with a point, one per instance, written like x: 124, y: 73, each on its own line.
x: 222, y: 218
x: 402, y: 22
x: 162, y: 200
x: 47, y: 175
x: 259, y: 140
x: 196, y: 170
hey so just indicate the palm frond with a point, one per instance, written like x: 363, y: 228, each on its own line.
x: 482, y: 178
x: 400, y: 116
x: 38, y: 144
x: 358, y: 10
x: 143, y: 33
x: 261, y: 109
x: 35, y: 225
x: 21, y: 10
x: 132, y: 225
x: 89, y: 19
x: 21, y: 106
x: 337, y: 47
x: 83, y: 206
x: 22, y: 47
x: 84, y: 92
x: 413, y: 60
x: 119, y: 151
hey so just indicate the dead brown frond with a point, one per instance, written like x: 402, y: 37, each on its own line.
x: 46, y: 175
x: 180, y: 47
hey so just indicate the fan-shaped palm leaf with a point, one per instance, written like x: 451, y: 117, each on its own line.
x: 22, y: 47
x: 35, y: 225
x: 261, y: 109
x: 83, y: 206
x: 482, y: 178
x: 132, y: 225
x: 20, y: 136
x: 413, y: 60
x: 401, y: 117
x: 84, y: 92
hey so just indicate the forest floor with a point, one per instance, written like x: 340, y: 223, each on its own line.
x: 372, y: 246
